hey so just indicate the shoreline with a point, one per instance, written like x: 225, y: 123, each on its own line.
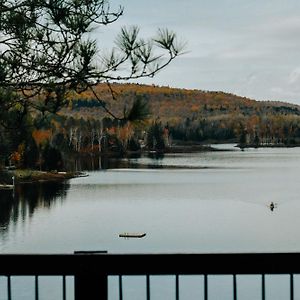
x: 267, y: 146
x: 9, y: 178
x: 29, y: 176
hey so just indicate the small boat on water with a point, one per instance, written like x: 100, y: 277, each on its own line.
x: 132, y: 235
x: 272, y: 206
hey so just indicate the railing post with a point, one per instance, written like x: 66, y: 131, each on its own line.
x: 90, y: 286
x: 177, y: 286
x: 64, y: 288
x: 205, y: 287
x: 234, y: 287
x: 263, y: 287
x: 148, y: 287
x: 292, y: 286
x: 36, y: 287
x: 120, y: 288
x: 8, y: 288
x: 90, y: 283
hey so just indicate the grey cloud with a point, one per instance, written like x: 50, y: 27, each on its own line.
x: 249, y: 47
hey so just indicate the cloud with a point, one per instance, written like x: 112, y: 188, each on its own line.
x: 248, y: 47
x: 284, y: 94
x: 282, y: 26
x: 287, y: 88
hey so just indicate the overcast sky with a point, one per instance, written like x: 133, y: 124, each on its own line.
x: 246, y: 47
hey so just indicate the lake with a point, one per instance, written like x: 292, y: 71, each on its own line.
x: 197, y: 202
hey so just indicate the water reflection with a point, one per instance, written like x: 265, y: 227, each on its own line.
x: 183, y: 206
x: 93, y: 162
x: 27, y: 198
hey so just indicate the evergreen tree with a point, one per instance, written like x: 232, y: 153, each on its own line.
x: 155, y: 140
x: 243, y: 139
x: 46, y: 51
x: 52, y: 159
x: 256, y: 141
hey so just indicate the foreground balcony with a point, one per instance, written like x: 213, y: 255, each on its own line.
x: 91, y: 270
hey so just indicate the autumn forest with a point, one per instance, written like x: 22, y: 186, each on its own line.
x: 170, y: 117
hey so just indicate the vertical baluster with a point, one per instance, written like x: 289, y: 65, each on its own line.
x: 205, y: 287
x: 148, y: 286
x: 177, y: 286
x: 90, y: 285
x: 8, y: 288
x: 120, y: 287
x: 292, y: 286
x: 36, y: 287
x: 234, y: 287
x: 263, y: 287
x: 64, y: 287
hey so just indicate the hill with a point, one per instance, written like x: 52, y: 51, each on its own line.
x: 174, y: 104
x: 178, y: 117
x: 195, y: 115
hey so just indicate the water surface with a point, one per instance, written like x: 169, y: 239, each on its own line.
x: 205, y: 202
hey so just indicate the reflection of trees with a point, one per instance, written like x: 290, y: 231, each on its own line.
x: 27, y: 198
x: 94, y: 162
x: 8, y: 205
x: 156, y: 155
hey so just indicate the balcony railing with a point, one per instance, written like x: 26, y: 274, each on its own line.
x: 91, y: 269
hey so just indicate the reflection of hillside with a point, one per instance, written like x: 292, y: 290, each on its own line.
x: 27, y: 198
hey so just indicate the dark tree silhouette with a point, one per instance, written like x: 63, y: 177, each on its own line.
x: 46, y: 52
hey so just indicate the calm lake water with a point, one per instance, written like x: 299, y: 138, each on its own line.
x: 199, y: 202
x: 204, y: 202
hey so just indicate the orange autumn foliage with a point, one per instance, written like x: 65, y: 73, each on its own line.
x: 41, y: 136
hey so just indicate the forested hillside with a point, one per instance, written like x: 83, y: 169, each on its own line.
x: 176, y: 104
x: 170, y: 117
x: 198, y: 115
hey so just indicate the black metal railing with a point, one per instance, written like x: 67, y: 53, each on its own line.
x: 92, y: 269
